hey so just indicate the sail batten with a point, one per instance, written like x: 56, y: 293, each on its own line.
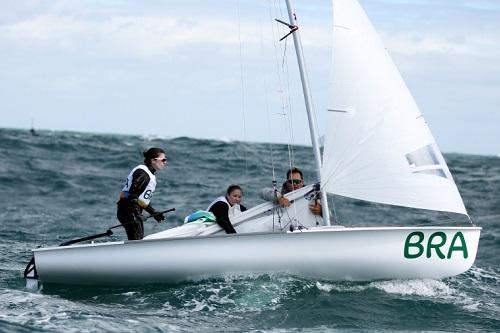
x: 378, y: 146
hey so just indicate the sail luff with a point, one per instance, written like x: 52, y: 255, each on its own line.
x: 378, y: 146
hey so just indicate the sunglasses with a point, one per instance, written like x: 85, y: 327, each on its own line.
x: 164, y: 160
x: 295, y: 181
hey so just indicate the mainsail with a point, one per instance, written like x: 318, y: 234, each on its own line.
x: 377, y: 144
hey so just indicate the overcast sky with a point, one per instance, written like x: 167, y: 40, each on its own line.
x: 214, y: 69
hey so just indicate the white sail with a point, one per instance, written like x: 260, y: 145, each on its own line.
x: 377, y: 145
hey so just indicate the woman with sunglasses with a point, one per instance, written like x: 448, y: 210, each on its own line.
x: 294, y: 181
x: 226, y: 206
x: 137, y: 192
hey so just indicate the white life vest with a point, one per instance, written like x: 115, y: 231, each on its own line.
x: 147, y: 194
x: 233, y: 210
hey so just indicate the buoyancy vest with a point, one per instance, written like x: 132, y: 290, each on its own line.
x: 232, y: 210
x: 146, y: 195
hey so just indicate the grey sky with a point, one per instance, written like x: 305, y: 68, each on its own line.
x: 173, y: 68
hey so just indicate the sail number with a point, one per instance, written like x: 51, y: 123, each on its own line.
x: 416, y: 245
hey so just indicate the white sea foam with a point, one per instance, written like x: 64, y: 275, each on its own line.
x: 340, y: 287
x: 224, y: 139
x: 130, y: 293
x: 32, y: 284
x: 195, y: 305
x: 422, y: 287
x: 153, y: 137
x: 479, y: 290
x: 217, y: 298
x: 248, y: 293
x: 479, y: 273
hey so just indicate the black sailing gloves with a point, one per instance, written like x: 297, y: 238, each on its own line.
x: 159, y: 217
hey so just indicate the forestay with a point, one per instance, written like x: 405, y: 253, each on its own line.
x: 377, y: 145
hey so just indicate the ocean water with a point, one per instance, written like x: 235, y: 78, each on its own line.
x: 59, y: 186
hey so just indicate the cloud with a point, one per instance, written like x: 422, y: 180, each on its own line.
x: 140, y: 35
x: 412, y: 44
x: 489, y: 5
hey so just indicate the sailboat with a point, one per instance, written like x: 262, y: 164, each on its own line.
x: 32, y: 129
x: 378, y: 148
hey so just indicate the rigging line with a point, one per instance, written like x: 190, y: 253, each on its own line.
x: 242, y: 88
x: 288, y: 103
x: 291, y: 159
x: 293, y: 219
x: 311, y: 97
x: 470, y: 220
x: 334, y: 209
x: 266, y: 104
x: 282, y: 73
x: 275, y: 27
x: 291, y: 139
x: 277, y: 45
x: 283, y: 69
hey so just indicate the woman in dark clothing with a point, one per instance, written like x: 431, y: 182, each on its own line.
x: 225, y: 207
x: 137, y: 192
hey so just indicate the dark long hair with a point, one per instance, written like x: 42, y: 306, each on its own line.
x: 233, y: 187
x: 152, y: 153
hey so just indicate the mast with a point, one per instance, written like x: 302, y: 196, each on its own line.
x: 307, y: 99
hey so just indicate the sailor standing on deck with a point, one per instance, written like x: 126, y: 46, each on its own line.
x: 137, y: 192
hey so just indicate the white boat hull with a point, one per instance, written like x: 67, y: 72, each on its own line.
x: 332, y: 253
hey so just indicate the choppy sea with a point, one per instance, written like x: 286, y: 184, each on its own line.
x: 62, y: 185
